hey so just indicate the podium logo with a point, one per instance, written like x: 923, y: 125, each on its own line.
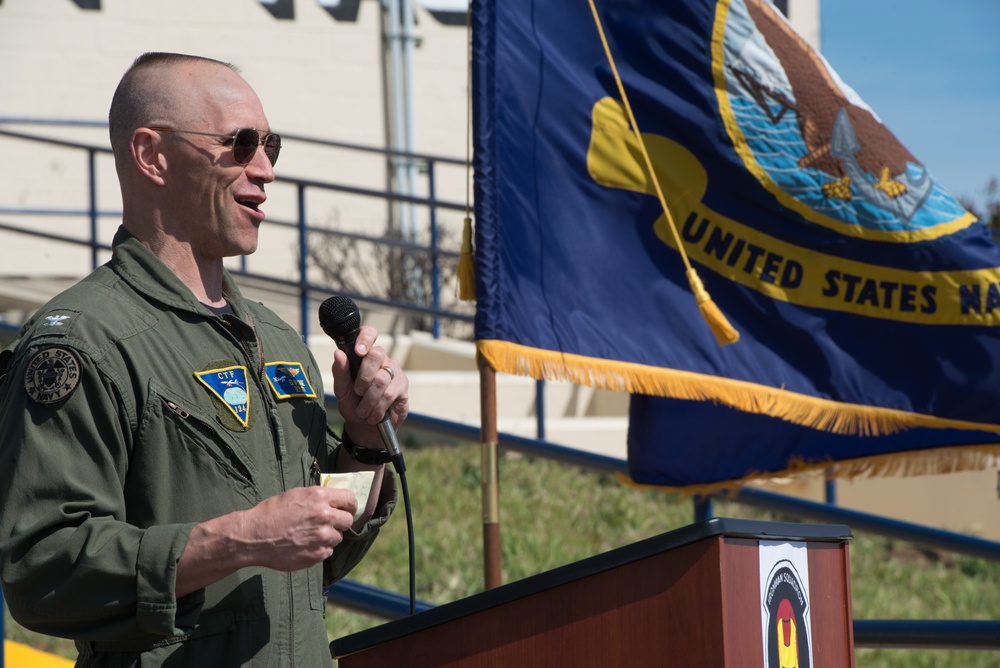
x: 787, y: 631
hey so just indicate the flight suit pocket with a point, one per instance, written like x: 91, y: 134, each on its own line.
x: 186, y: 465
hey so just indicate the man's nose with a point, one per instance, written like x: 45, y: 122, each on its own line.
x: 260, y: 166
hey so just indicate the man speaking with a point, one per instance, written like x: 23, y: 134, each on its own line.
x: 162, y: 437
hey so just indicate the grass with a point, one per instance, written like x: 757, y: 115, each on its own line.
x: 553, y: 514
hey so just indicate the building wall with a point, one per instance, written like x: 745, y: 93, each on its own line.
x: 316, y: 76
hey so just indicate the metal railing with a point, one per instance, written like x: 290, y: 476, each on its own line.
x: 388, y: 605
x: 308, y: 290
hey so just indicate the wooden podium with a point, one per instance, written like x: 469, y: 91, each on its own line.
x: 688, y: 598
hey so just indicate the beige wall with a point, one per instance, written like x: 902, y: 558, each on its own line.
x: 316, y: 76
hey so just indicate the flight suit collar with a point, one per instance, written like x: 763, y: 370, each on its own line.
x: 145, y: 272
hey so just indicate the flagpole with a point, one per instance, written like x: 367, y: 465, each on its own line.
x: 490, y: 475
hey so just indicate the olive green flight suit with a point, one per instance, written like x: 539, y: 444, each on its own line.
x: 129, y: 413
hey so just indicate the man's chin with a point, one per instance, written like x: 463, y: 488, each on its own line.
x: 243, y: 249
x: 252, y: 240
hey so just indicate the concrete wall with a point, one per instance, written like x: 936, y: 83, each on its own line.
x: 317, y: 77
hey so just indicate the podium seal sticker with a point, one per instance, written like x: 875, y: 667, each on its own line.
x: 785, y: 618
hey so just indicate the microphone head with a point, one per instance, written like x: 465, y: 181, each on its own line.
x: 339, y: 316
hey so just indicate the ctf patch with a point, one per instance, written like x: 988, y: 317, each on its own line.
x: 52, y: 375
x: 229, y: 385
x: 288, y: 379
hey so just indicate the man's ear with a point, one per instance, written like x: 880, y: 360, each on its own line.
x: 147, y: 156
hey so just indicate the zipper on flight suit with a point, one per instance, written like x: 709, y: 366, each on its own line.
x: 184, y: 415
x: 262, y: 385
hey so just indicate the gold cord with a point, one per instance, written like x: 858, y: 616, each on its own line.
x: 723, y: 331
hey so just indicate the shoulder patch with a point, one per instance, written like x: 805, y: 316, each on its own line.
x: 288, y: 379
x: 52, y: 374
x: 229, y: 385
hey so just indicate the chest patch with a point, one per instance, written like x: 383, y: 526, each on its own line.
x: 52, y: 375
x: 288, y: 379
x: 229, y: 385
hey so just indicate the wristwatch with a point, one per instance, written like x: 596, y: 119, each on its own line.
x: 364, y: 455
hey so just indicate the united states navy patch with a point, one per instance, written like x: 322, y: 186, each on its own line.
x: 229, y: 385
x: 288, y: 379
x: 52, y: 375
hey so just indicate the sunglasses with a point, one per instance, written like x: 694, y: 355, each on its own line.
x: 245, y: 143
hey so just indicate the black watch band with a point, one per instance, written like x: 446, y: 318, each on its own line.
x: 364, y: 455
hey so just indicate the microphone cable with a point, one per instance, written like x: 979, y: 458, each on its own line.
x: 397, y: 463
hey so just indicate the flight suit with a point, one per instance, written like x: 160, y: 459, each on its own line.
x: 131, y: 412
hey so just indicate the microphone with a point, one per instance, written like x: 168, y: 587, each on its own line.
x: 341, y: 320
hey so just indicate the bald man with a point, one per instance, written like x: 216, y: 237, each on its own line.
x: 163, y: 437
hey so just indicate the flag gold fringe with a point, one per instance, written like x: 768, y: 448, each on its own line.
x: 932, y: 461
x: 824, y: 414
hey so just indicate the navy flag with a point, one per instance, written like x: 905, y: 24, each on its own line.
x: 865, y: 297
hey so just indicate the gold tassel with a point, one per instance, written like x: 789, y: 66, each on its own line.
x: 466, y: 267
x: 724, y: 332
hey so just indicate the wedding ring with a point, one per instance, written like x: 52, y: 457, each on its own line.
x: 392, y: 374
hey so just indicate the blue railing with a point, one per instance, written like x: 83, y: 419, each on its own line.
x: 388, y: 605
x: 307, y: 290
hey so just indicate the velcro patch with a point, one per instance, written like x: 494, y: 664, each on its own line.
x: 52, y: 374
x: 229, y: 385
x: 288, y: 379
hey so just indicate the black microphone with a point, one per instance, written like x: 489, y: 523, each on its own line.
x: 341, y: 320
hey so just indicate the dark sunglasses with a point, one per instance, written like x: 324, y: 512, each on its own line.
x: 245, y: 143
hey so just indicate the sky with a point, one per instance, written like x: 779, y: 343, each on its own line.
x: 930, y: 69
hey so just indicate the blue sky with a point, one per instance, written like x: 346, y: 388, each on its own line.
x: 931, y: 70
